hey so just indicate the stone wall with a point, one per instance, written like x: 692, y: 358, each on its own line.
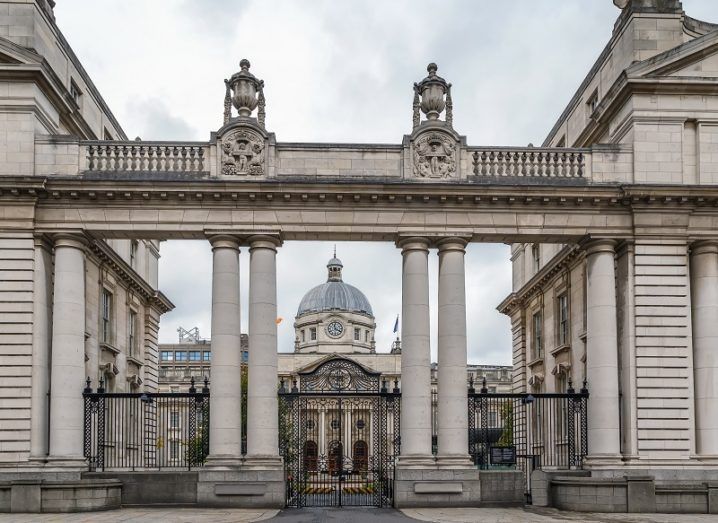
x: 37, y: 496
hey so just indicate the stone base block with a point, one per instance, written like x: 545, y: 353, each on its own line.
x: 414, y: 488
x: 253, y: 488
x: 153, y: 487
x: 37, y: 496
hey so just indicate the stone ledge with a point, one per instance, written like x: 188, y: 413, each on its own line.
x: 37, y: 496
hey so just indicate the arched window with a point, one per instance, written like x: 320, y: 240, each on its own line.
x: 335, y: 458
x: 310, y: 456
x: 361, y: 456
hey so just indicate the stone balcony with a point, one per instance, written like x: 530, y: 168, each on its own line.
x: 145, y: 160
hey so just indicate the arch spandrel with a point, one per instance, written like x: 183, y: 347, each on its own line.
x: 339, y: 375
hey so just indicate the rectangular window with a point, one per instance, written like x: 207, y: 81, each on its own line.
x: 134, y: 245
x: 366, y: 336
x: 357, y: 333
x: 180, y: 356
x: 132, y: 334
x: 592, y: 103
x: 303, y: 336
x: 194, y: 355
x: 536, y: 257
x: 106, y: 316
x: 174, y: 419
x: 536, y: 340
x: 313, y: 333
x: 166, y: 355
x: 206, y: 356
x: 563, y: 319
x: 174, y: 449
x: 75, y: 92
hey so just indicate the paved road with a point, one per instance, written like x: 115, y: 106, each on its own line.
x: 341, y: 515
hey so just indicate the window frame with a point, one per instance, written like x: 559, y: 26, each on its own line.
x: 563, y: 327
x: 106, y: 312
x: 132, y: 348
x: 537, y: 334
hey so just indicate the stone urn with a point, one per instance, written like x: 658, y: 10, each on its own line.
x: 433, y: 90
x: 244, y: 87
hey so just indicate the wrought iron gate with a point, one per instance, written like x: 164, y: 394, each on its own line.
x: 339, y: 436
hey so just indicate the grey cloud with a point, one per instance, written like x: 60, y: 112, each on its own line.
x: 155, y: 121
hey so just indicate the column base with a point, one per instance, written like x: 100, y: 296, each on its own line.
x: 66, y: 463
x: 241, y: 487
x: 223, y: 461
x: 259, y: 462
x: 458, y: 461
x: 603, y: 461
x: 417, y: 461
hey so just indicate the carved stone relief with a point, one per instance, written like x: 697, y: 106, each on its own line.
x: 243, y: 153
x: 434, y: 156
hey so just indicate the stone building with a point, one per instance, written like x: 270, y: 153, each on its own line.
x: 46, y: 95
x: 643, y: 332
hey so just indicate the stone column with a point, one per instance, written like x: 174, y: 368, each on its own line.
x: 225, y: 421
x: 453, y: 421
x: 602, y: 352
x: 67, y: 374
x: 704, y: 306
x: 41, y: 332
x: 415, y: 355
x: 262, y: 407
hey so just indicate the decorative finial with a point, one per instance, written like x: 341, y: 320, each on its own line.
x: 433, y: 91
x: 244, y: 64
x: 335, y: 250
x: 621, y: 4
x: 245, y: 87
x: 432, y: 68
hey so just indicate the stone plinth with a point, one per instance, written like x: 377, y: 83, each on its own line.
x: 457, y: 487
x: 36, y: 495
x: 241, y: 488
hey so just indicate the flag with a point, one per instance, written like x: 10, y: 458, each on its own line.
x: 279, y: 320
x: 396, y: 324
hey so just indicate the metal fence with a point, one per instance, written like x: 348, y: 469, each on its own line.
x: 146, y: 431
x: 528, y: 431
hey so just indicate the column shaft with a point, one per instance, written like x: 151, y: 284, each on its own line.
x: 262, y: 406
x: 602, y: 350
x: 415, y: 354
x: 704, y: 306
x: 41, y: 332
x: 225, y: 371
x: 68, y: 352
x: 453, y: 439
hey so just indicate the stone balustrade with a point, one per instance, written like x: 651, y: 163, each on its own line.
x: 530, y: 162
x: 166, y: 157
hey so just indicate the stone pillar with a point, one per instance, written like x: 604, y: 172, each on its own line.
x: 225, y: 421
x: 453, y: 421
x: 41, y: 332
x: 262, y: 406
x: 67, y: 374
x: 602, y: 352
x: 415, y: 355
x: 704, y: 306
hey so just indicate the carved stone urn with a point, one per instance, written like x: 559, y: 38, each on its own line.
x: 432, y: 89
x: 245, y: 87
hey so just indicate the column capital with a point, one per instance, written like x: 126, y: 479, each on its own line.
x: 224, y: 241
x: 74, y: 240
x: 704, y: 247
x: 413, y: 243
x: 264, y: 241
x: 594, y: 246
x: 452, y: 243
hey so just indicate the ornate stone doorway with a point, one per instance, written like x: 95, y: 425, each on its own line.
x: 339, y: 437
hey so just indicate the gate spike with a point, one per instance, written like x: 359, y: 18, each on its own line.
x: 205, y: 389
x: 484, y: 390
x: 88, y: 388
x: 192, y: 389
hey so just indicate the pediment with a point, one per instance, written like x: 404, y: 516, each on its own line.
x: 11, y: 53
x: 695, y: 59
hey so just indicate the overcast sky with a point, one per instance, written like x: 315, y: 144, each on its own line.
x: 342, y: 71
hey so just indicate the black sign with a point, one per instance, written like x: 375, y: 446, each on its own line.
x: 503, y: 455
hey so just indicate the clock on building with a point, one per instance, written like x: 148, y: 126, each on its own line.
x: 335, y: 329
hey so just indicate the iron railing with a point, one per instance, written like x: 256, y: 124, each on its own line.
x: 146, y: 431
x: 528, y: 431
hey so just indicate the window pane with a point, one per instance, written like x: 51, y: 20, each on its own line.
x: 181, y: 356
x: 194, y: 355
x: 206, y: 356
x: 166, y: 355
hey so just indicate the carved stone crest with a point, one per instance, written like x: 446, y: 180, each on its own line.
x: 243, y: 153
x: 434, y: 156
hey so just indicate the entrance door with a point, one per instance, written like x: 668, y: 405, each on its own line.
x: 339, y: 437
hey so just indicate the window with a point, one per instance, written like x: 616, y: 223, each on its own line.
x: 134, y: 245
x: 563, y: 319
x: 592, y: 103
x: 166, y: 355
x: 536, y: 341
x: 174, y: 419
x: 335, y: 424
x: 132, y: 334
x: 360, y: 424
x: 75, y: 92
x: 366, y: 336
x: 194, y: 355
x: 304, y: 338
x: 561, y: 142
x: 313, y: 333
x: 107, y: 135
x: 106, y: 317
x: 174, y: 389
x: 357, y: 333
x: 174, y: 449
x: 206, y: 356
x: 536, y: 257
x: 180, y: 355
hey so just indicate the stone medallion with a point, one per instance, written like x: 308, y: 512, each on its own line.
x: 243, y: 153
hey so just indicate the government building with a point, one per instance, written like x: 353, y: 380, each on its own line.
x: 611, y: 402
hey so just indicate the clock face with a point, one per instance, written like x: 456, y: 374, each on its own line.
x: 335, y: 329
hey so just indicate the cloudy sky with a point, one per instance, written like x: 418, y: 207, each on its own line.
x: 342, y: 71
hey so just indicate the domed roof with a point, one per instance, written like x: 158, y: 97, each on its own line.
x: 334, y: 295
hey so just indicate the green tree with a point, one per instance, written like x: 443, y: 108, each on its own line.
x: 507, y: 435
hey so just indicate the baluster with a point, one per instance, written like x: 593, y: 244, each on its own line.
x: 492, y: 163
x: 562, y: 165
x: 154, y: 158
x: 532, y: 163
x: 135, y: 159
x: 192, y: 159
x: 554, y: 164
x: 185, y: 165
x: 500, y: 164
x: 475, y: 157
x: 523, y: 164
x: 483, y: 163
x: 163, y: 158
x: 579, y: 171
x: 510, y: 163
x: 539, y: 164
x: 112, y: 160
x: 176, y: 159
x: 572, y: 164
x: 90, y: 158
x: 200, y: 159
